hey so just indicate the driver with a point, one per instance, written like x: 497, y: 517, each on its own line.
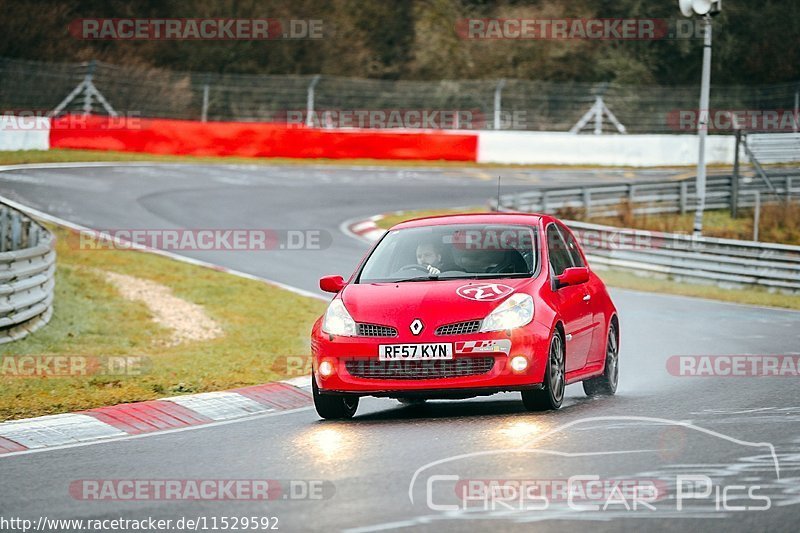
x: 430, y: 257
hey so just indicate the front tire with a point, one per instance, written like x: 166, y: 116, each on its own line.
x: 551, y: 395
x: 606, y: 385
x: 333, y: 406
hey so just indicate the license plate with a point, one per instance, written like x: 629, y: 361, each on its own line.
x: 409, y: 352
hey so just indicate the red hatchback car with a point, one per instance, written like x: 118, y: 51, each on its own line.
x: 466, y: 305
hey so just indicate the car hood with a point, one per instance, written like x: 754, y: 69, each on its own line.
x: 433, y: 302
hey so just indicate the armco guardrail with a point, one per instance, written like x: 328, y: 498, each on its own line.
x: 27, y: 275
x: 684, y: 257
x: 774, y: 147
x: 726, y: 262
x: 677, y: 196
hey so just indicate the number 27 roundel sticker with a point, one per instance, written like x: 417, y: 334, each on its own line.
x: 484, y: 292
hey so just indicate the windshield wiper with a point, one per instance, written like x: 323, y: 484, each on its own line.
x: 491, y: 275
x: 418, y: 278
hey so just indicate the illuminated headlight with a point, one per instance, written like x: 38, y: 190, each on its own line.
x: 515, y: 312
x: 338, y: 321
x: 519, y: 363
x: 326, y: 369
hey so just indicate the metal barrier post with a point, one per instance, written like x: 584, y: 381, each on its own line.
x: 684, y: 197
x: 756, y: 215
x: 796, y: 108
x: 587, y: 201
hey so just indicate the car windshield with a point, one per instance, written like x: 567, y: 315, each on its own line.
x: 453, y: 251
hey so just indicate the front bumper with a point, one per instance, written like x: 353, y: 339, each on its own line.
x: 362, y: 352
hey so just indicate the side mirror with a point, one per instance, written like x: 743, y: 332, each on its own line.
x: 331, y: 283
x: 572, y: 276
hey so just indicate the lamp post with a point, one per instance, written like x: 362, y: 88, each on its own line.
x: 704, y: 9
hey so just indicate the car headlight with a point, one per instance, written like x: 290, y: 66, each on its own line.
x: 338, y: 321
x: 515, y: 312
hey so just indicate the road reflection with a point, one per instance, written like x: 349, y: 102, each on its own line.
x: 328, y: 443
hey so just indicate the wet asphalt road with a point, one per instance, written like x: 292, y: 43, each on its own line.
x: 393, y: 467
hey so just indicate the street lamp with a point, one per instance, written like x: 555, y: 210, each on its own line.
x: 705, y: 9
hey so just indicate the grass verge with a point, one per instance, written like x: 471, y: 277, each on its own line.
x: 390, y: 219
x: 261, y: 323
x: 628, y: 280
x: 70, y: 156
x: 778, y: 222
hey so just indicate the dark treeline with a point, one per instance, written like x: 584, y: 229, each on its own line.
x: 756, y: 42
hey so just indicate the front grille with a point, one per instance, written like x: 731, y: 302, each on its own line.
x: 374, y: 330
x: 459, y: 328
x: 429, y: 369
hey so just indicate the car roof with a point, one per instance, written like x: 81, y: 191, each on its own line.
x: 528, y: 219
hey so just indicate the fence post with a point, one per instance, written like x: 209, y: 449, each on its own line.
x: 788, y: 189
x: 4, y: 213
x: 796, y: 107
x: 204, y: 112
x: 756, y: 215
x: 498, y: 100
x: 598, y: 117
x: 684, y: 197
x: 587, y: 201
x: 310, y: 101
x: 87, y: 95
x: 735, y: 177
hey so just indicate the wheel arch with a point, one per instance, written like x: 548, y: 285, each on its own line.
x: 559, y: 328
x: 614, y: 321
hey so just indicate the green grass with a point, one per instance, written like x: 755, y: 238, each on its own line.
x: 628, y: 280
x: 391, y: 219
x: 67, y: 155
x: 261, y: 323
x: 778, y: 222
x: 750, y: 296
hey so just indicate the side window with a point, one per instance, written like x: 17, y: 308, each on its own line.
x: 560, y: 259
x: 572, y: 248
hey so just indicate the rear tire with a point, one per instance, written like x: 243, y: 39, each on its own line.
x: 606, y: 385
x: 551, y: 395
x: 333, y: 406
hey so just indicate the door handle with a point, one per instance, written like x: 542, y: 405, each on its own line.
x: 587, y: 297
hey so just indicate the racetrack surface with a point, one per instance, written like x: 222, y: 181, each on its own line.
x: 659, y: 425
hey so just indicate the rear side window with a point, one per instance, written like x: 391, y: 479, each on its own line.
x: 560, y: 258
x: 572, y: 248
